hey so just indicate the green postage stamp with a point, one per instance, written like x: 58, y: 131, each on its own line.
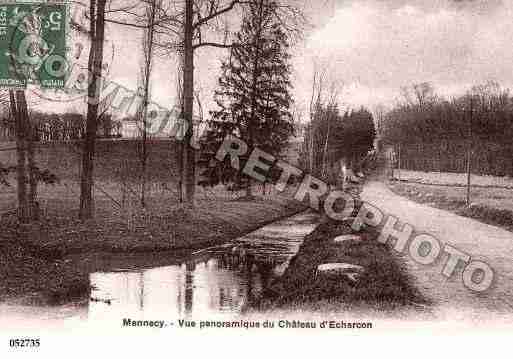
x: 33, y: 44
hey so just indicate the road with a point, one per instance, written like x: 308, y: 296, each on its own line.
x: 452, y: 301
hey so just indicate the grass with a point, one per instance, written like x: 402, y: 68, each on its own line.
x: 114, y: 160
x: 383, y: 285
x: 454, y: 179
x: 489, y: 205
x: 29, y: 279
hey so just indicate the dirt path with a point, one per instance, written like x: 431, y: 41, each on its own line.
x: 453, y: 302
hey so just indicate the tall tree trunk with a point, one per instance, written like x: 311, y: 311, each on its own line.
x: 23, y: 210
x: 180, y: 147
x: 189, y: 154
x: 311, y: 150
x: 148, y: 53
x: 469, y: 152
x: 97, y: 21
x: 180, y: 155
x: 179, y: 139
x: 325, y: 154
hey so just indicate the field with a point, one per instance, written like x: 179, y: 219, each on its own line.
x: 491, y: 197
x: 489, y: 191
x: 117, y: 171
x: 453, y: 179
x: 115, y: 160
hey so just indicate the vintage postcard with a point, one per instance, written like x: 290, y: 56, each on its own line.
x: 183, y: 172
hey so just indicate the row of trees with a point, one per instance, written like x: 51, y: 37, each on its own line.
x: 424, y: 117
x: 473, y: 130
x: 60, y: 127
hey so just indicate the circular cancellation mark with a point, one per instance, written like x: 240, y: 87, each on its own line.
x: 49, y: 47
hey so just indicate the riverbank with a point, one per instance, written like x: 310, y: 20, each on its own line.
x: 380, y: 279
x: 49, y: 262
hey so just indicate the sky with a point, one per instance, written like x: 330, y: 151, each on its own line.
x: 371, y: 48
x: 375, y: 47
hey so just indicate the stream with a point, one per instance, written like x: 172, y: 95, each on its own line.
x: 215, y: 281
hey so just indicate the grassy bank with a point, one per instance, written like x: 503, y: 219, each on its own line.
x: 49, y: 261
x: 489, y: 205
x: 383, y: 284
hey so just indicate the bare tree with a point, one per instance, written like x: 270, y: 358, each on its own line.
x: 197, y: 16
x: 418, y: 94
x: 180, y: 143
x: 97, y: 19
x: 21, y: 146
x: 27, y: 172
x: 325, y: 92
x: 148, y: 46
x: 97, y: 35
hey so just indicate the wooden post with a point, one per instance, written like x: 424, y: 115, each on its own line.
x: 399, y: 164
x: 469, y: 152
x: 391, y: 163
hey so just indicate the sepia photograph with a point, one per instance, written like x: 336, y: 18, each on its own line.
x: 184, y: 172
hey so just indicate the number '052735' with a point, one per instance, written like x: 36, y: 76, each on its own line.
x: 24, y: 343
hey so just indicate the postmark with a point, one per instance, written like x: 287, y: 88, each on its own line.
x: 77, y: 51
x: 33, y: 44
x: 44, y: 45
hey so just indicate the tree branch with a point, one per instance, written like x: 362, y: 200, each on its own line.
x: 215, y: 14
x: 213, y: 44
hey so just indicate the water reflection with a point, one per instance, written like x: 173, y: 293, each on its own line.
x: 212, y: 286
x: 216, y: 281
